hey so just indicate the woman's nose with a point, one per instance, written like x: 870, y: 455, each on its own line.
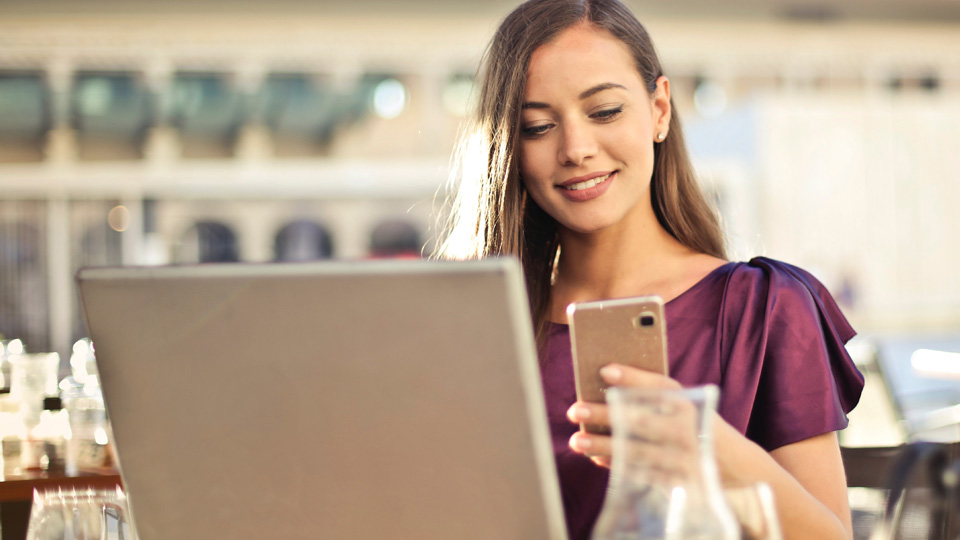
x: 577, y: 145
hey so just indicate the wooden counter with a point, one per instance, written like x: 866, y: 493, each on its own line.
x: 16, y: 495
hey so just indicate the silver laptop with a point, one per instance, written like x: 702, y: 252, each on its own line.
x: 354, y: 401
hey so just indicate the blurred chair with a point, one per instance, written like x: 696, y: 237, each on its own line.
x: 876, y: 420
x: 303, y: 240
x: 898, y: 404
x: 913, y: 488
x: 395, y: 239
x: 926, y: 404
x: 897, y: 407
x: 208, y: 242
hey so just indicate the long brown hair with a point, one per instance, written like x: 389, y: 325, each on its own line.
x: 492, y: 215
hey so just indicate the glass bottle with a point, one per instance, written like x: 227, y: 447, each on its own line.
x: 33, y: 378
x: 8, y: 348
x: 664, y: 483
x: 88, y: 447
x: 53, y: 431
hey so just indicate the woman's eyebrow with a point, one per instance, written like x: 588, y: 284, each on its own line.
x: 583, y: 95
x: 534, y: 105
x: 600, y: 88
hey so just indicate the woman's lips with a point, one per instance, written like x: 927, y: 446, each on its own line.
x: 586, y: 190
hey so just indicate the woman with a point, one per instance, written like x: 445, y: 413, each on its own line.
x: 577, y: 166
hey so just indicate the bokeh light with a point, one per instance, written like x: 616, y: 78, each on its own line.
x: 389, y: 98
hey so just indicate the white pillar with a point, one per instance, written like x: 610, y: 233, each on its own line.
x: 254, y: 143
x: 428, y: 97
x: 132, y: 238
x: 60, y: 279
x: 61, y: 144
x: 162, y: 144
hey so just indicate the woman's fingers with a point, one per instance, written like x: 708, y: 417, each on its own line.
x: 590, y: 444
x: 584, y: 412
x: 662, y: 445
x: 669, y: 462
x: 603, y: 461
x: 621, y: 375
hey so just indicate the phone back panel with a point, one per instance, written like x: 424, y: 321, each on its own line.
x: 609, y: 331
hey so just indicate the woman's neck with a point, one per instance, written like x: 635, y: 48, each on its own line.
x: 622, y: 262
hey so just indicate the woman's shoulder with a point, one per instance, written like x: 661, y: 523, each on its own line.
x: 771, y: 272
x: 782, y: 340
x: 772, y: 276
x: 783, y: 291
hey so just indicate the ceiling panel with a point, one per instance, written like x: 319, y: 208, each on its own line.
x: 906, y: 10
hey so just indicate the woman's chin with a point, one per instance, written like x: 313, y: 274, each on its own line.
x: 583, y: 228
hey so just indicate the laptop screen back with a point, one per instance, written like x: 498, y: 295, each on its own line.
x: 356, y: 401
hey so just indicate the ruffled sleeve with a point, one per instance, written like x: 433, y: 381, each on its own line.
x: 786, y: 375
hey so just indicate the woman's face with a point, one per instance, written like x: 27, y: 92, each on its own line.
x: 587, y: 131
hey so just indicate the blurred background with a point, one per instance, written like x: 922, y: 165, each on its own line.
x: 137, y: 133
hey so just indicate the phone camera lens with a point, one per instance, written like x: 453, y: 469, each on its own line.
x: 646, y: 320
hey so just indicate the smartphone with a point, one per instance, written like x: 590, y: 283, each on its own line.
x: 629, y: 331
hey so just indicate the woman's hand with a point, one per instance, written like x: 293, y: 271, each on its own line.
x: 598, y: 447
x: 806, y: 476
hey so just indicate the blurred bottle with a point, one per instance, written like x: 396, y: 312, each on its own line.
x: 83, y: 363
x: 12, y: 434
x: 31, y: 448
x: 33, y: 378
x: 52, y: 433
x: 10, y: 426
x: 88, y: 445
x: 8, y: 348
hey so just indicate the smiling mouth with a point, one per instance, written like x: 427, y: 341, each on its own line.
x: 587, y: 184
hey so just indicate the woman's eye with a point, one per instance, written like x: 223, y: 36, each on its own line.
x: 607, y: 114
x: 533, y: 131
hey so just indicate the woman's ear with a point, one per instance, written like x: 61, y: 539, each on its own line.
x: 661, y: 108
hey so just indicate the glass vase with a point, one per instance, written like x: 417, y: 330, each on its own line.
x: 664, y: 483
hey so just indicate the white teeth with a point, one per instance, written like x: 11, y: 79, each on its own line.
x: 588, y: 183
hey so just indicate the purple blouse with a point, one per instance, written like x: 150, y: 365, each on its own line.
x: 767, y: 333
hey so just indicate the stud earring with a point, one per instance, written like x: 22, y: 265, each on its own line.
x: 661, y: 136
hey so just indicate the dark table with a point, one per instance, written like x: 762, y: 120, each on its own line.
x: 16, y: 494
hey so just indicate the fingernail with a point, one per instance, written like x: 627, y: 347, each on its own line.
x: 611, y: 374
x: 580, y: 443
x: 580, y: 413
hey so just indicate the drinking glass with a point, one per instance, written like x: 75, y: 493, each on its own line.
x: 80, y: 515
